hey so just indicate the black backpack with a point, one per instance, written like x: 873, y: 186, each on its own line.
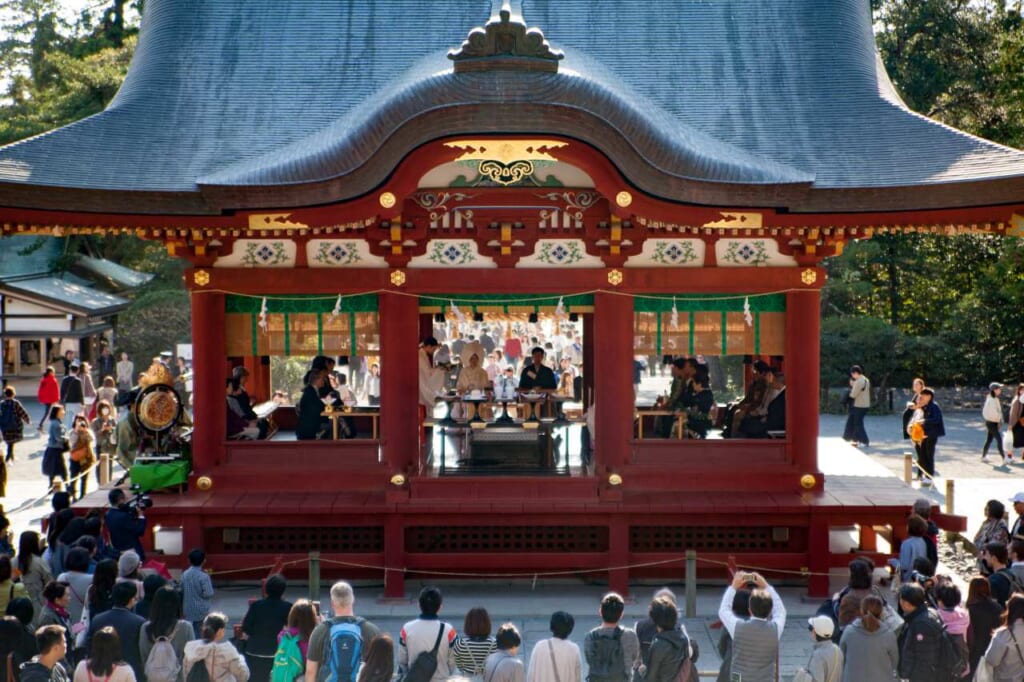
x: 424, y: 665
x: 198, y: 673
x: 608, y: 664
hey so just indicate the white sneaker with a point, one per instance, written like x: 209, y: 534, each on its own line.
x: 984, y: 458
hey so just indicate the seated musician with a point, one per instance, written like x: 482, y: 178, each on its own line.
x: 699, y: 414
x: 680, y: 396
x: 752, y: 399
x: 311, y: 425
x: 241, y: 403
x: 343, y: 397
x: 773, y: 417
x: 238, y: 427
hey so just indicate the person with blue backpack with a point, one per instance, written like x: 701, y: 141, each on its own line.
x: 13, y: 418
x: 339, y: 645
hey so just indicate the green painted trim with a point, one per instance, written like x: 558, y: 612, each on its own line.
x: 287, y: 336
x: 319, y: 334
x: 362, y: 303
x: 731, y: 303
x: 657, y: 335
x: 352, y: 333
x: 725, y: 334
x: 757, y: 333
x: 537, y: 300
x: 693, y: 333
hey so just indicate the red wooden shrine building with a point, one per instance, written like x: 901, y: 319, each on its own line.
x: 699, y: 154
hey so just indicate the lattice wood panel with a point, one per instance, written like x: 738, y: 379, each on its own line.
x: 711, y: 539
x: 346, y: 540
x: 506, y: 539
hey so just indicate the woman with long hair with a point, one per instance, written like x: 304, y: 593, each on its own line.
x: 870, y: 651
x: 34, y: 571
x: 302, y: 620
x: 105, y: 663
x: 165, y: 621
x: 101, y: 592
x: 475, y: 644
x: 380, y: 660
x: 104, y: 427
x: 986, y: 616
x: 222, y: 660
x: 83, y: 453
x: 54, y: 466
x: 1006, y: 651
x: 14, y: 639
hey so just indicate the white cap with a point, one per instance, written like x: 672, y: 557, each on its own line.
x: 1019, y: 497
x: 822, y: 625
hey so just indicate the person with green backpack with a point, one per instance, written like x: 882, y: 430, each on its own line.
x: 289, y: 662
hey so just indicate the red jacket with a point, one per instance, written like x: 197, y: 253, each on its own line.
x: 49, y: 390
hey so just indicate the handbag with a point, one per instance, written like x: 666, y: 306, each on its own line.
x: 65, y: 445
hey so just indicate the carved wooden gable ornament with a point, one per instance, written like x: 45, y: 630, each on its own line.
x: 506, y: 43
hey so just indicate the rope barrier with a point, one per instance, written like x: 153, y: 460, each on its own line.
x: 70, y: 482
x: 253, y: 569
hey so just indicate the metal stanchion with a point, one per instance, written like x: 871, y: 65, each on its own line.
x: 691, y: 583
x: 908, y: 468
x: 314, y: 576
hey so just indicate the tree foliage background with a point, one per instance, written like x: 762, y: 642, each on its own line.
x: 57, y: 69
x: 949, y: 309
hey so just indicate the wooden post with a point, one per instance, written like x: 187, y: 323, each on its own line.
x: 104, y: 466
x: 908, y: 468
x: 613, y: 381
x: 691, y: 583
x: 314, y: 576
x: 803, y: 329
x: 950, y: 505
x: 399, y: 393
x: 208, y: 353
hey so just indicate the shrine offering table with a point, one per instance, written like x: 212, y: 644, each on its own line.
x: 335, y: 415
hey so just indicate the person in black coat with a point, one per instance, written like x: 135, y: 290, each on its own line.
x: 311, y: 424
x: 921, y: 640
x: 126, y: 623
x: 264, y: 620
x: 16, y: 639
x: 125, y: 524
x: 774, y: 418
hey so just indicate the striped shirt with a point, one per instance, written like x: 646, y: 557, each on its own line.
x: 471, y: 654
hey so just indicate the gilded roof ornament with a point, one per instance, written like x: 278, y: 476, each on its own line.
x: 506, y: 43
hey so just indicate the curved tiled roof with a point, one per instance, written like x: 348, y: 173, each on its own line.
x: 779, y: 102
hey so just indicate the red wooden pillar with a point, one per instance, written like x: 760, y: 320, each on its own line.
x: 819, y: 560
x: 613, y: 381
x: 208, y: 352
x: 394, y: 554
x: 588, y: 359
x: 803, y: 331
x: 399, y: 374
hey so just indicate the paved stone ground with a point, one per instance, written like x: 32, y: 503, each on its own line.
x: 529, y: 606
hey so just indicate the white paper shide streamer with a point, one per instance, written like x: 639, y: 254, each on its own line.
x: 263, y: 315
x: 458, y: 313
x: 560, y: 310
x: 746, y: 312
x: 336, y: 312
x: 674, y: 321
